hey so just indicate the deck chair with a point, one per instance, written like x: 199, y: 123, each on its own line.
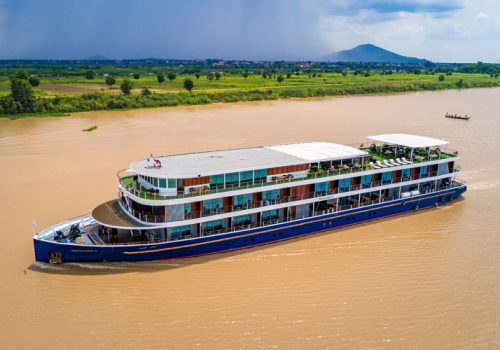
x: 406, y: 161
x: 374, y: 166
x: 381, y: 165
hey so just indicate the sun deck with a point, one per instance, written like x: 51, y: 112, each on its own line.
x: 111, y: 214
x: 236, y: 160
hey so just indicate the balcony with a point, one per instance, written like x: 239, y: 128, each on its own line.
x: 363, y: 202
x: 132, y: 186
x: 375, y: 185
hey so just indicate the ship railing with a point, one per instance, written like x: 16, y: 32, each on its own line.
x: 361, y: 202
x: 151, y: 218
x: 127, y: 181
x: 332, y: 209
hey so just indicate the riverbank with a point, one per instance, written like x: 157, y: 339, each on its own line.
x: 60, y: 105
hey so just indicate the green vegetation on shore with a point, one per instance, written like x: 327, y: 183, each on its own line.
x: 49, y: 96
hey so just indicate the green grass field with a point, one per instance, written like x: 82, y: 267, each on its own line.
x: 67, y: 94
x: 77, y: 85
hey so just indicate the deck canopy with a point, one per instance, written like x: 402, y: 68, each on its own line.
x: 233, y: 160
x: 407, y: 140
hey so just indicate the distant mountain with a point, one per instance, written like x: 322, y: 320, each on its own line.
x: 96, y: 58
x: 369, y: 53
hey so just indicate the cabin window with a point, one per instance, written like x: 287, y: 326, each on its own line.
x: 163, y: 183
x: 232, y: 179
x: 387, y: 177
x: 322, y: 186
x: 344, y: 184
x: 271, y: 196
x: 177, y: 232
x: 424, y: 171
x: 242, y: 220
x: 260, y: 175
x: 406, y: 173
x: 212, y: 225
x: 442, y: 169
x: 217, y: 181
x: 270, y: 215
x: 212, y: 204
x: 172, y: 183
x: 187, y: 209
x: 246, y: 177
x: 243, y: 199
x: 366, y: 181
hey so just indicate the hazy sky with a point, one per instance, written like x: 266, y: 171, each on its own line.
x: 440, y: 30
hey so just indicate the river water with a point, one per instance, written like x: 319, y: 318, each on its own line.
x: 425, y: 280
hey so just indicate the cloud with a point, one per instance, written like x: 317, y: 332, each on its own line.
x: 454, y: 30
x: 481, y: 16
x: 354, y: 7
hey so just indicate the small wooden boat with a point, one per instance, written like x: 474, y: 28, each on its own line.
x: 456, y: 116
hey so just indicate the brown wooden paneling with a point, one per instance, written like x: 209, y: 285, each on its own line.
x: 204, y: 180
x: 195, y: 206
x: 227, y: 202
x: 286, y: 169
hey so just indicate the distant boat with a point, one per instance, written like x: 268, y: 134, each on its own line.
x: 456, y: 116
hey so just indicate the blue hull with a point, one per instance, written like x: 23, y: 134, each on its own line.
x: 241, y: 239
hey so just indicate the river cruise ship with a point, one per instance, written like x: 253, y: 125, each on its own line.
x: 186, y: 205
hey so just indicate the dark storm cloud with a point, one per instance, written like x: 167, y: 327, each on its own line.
x: 155, y: 28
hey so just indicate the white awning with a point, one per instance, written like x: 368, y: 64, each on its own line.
x: 318, y: 151
x: 413, y: 141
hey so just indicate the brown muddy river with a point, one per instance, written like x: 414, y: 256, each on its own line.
x: 429, y: 280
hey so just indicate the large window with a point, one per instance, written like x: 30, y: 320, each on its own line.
x: 366, y: 181
x: 187, y: 210
x: 177, y: 232
x: 243, y: 199
x: 344, y: 184
x: 387, y: 177
x: 322, y: 187
x: 163, y: 183
x: 172, y: 183
x: 406, y: 174
x: 216, y: 181
x: 246, y: 177
x: 270, y: 215
x: 260, y: 175
x: 242, y: 220
x: 212, y: 225
x: 271, y: 196
x: 424, y: 171
x: 232, y: 179
x: 212, y: 204
x: 442, y: 169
